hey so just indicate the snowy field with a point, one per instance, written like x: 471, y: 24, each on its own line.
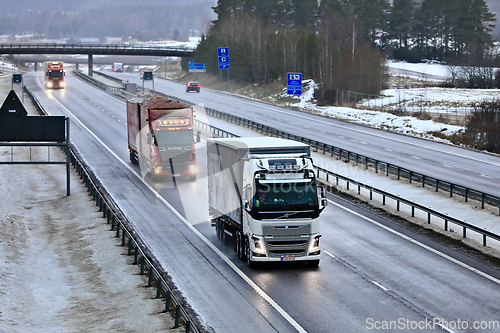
x: 446, y: 106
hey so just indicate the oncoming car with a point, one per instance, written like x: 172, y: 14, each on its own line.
x: 193, y: 86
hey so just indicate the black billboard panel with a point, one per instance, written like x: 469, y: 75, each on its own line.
x: 33, y: 128
x: 16, y: 125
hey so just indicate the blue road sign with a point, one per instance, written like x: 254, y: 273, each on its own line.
x: 223, y: 62
x: 196, y: 67
x: 223, y: 54
x: 294, y: 91
x: 294, y: 84
x: 223, y: 51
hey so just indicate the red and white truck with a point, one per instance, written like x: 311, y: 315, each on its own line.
x: 54, y: 74
x: 161, y: 137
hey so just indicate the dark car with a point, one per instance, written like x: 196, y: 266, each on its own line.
x: 193, y: 86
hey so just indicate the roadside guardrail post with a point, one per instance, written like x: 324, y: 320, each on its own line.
x: 158, y: 288
x: 167, y: 300
x: 177, y: 312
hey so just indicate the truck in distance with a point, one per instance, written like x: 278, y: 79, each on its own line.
x: 160, y: 137
x: 263, y: 192
x: 54, y: 74
x: 117, y: 67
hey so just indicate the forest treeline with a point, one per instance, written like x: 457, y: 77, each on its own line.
x: 342, y: 44
x: 150, y: 20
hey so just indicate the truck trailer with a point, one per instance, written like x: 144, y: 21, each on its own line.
x: 160, y: 137
x: 54, y: 74
x: 263, y: 192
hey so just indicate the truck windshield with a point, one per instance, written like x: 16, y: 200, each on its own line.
x: 55, y: 74
x: 177, y: 137
x: 287, y: 196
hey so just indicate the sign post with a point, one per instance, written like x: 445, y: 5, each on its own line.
x: 223, y: 55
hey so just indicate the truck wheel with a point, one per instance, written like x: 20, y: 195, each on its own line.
x: 222, y: 233
x: 217, y: 229
x: 313, y: 263
x: 248, y: 255
x: 238, y: 245
x: 243, y: 253
x: 133, y: 159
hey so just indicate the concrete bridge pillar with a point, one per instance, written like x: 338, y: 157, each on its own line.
x: 91, y: 64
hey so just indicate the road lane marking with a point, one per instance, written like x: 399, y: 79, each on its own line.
x: 238, y: 271
x: 379, y: 285
x: 422, y: 245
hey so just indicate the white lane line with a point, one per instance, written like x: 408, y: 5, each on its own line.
x: 449, y: 166
x: 249, y: 281
x: 416, y: 157
x: 445, y: 256
x: 486, y: 176
x: 379, y: 285
x: 388, y: 149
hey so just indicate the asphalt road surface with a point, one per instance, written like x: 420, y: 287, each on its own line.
x: 373, y: 272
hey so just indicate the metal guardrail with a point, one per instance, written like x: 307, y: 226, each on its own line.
x: 118, y: 224
x: 134, y: 248
x: 378, y: 165
x: 98, y: 83
x: 109, y: 77
x: 430, y: 212
x: 96, y: 46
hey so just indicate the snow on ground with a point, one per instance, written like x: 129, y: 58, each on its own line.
x: 448, y: 103
x: 61, y: 268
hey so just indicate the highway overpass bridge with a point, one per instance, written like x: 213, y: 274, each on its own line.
x: 91, y: 49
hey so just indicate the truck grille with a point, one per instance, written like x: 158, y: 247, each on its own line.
x: 287, y: 240
x: 180, y: 161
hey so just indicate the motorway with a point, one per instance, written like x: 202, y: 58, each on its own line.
x: 373, y: 271
x: 453, y: 164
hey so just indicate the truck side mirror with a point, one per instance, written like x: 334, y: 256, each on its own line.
x: 322, y: 198
x: 148, y: 139
x: 198, y: 136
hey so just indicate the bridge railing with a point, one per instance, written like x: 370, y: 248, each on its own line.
x: 91, y: 46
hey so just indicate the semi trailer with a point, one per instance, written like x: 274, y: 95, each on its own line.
x: 54, y: 74
x: 160, y: 136
x: 263, y: 192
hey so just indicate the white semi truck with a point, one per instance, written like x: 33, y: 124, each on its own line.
x: 263, y: 192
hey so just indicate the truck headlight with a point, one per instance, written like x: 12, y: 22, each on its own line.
x: 49, y: 84
x: 193, y: 168
x: 259, y: 245
x: 314, y: 249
